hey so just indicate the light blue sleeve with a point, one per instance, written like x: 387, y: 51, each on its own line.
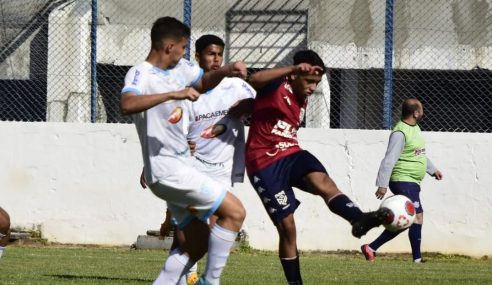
x: 134, y: 81
x: 191, y: 72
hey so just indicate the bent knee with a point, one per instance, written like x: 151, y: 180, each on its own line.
x: 238, y: 214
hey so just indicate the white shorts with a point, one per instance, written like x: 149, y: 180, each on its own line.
x: 190, y: 194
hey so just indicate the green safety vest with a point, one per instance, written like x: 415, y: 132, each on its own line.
x: 412, y: 164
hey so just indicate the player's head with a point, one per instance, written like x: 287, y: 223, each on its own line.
x: 169, y: 37
x: 305, y: 84
x: 412, y: 109
x: 4, y: 227
x: 209, y: 52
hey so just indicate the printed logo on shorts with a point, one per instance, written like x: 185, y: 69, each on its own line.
x: 265, y: 200
x: 416, y: 204
x: 281, y: 198
x: 176, y: 115
x: 255, y: 179
x: 272, y: 210
x: 261, y: 190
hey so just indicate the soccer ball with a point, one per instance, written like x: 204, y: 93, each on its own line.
x: 402, y: 213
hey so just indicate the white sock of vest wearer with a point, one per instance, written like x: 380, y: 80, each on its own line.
x: 1, y: 251
x: 219, y: 246
x: 175, y: 267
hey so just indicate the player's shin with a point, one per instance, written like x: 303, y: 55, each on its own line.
x: 219, y: 246
x: 344, y: 207
x: 176, y: 266
x: 292, y: 270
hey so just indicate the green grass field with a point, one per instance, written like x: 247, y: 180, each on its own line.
x: 95, y: 265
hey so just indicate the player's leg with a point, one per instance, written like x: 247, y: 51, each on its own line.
x: 272, y: 184
x: 189, y: 195
x: 287, y: 249
x: 4, y: 230
x: 412, y: 191
x: 230, y: 216
x: 310, y: 175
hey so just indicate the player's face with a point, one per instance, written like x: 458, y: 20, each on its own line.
x: 304, y: 85
x: 211, y: 57
x: 177, y: 50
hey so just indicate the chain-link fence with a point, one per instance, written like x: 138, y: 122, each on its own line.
x: 63, y: 60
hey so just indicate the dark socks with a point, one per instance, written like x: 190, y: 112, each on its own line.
x: 345, y: 208
x: 382, y: 239
x: 292, y: 270
x: 415, y: 235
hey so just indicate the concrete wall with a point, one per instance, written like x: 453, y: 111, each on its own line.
x: 78, y: 183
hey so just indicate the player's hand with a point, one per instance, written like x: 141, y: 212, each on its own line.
x: 238, y: 69
x: 381, y: 192
x: 192, y: 146
x: 143, y: 182
x: 241, y: 108
x: 187, y: 93
x: 306, y: 68
x: 437, y: 175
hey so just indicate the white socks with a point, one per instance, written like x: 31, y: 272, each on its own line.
x: 175, y: 268
x: 219, y: 246
x: 1, y: 251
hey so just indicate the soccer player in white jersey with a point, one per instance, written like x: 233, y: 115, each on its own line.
x: 155, y: 92
x: 216, y: 131
x: 215, y: 118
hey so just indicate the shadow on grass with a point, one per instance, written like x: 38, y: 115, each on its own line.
x: 109, y: 278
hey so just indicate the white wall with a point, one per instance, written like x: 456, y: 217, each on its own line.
x: 78, y: 183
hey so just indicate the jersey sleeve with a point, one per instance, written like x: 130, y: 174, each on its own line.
x: 134, y: 81
x: 246, y: 91
x: 191, y: 72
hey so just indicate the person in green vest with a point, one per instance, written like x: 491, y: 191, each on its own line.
x: 402, y: 169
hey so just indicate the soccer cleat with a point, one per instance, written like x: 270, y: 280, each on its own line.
x: 370, y: 220
x: 192, y: 278
x: 203, y: 281
x: 420, y: 260
x: 368, y: 253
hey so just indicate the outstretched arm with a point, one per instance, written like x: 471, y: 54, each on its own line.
x: 212, y: 78
x: 263, y: 77
x: 131, y: 102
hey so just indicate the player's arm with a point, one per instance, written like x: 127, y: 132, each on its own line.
x: 261, y: 78
x: 432, y: 170
x: 131, y: 102
x: 395, y: 147
x: 212, y: 78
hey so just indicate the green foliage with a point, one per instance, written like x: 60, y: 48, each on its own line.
x: 100, y: 265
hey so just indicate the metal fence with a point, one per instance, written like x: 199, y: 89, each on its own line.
x: 65, y: 60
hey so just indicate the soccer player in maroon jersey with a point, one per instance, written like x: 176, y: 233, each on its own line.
x: 275, y: 162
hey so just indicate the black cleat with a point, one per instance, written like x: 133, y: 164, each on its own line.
x: 371, y: 220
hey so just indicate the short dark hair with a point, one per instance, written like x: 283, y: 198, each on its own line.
x: 408, y: 107
x: 167, y: 28
x: 204, y: 41
x: 309, y: 56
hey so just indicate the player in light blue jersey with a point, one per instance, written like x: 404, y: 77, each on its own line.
x: 215, y: 130
x: 155, y: 93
